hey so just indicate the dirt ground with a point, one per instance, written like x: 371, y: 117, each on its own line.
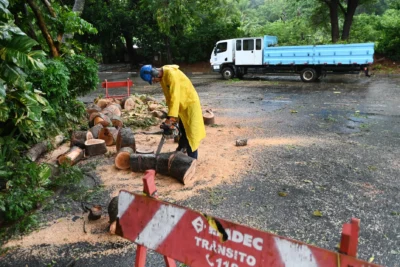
x: 331, y: 146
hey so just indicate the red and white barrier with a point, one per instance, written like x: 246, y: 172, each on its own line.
x: 199, y: 240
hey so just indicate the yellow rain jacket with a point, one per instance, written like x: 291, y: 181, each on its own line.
x: 183, y: 102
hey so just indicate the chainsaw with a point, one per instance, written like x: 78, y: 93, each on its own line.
x: 168, y: 132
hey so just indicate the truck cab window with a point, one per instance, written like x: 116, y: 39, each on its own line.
x: 258, y: 44
x: 221, y: 47
x: 238, y: 45
x: 248, y: 44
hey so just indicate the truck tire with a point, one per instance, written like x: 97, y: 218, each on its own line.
x: 227, y: 73
x: 308, y: 75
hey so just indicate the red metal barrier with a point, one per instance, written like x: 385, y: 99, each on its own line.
x: 200, y: 240
x: 117, y: 84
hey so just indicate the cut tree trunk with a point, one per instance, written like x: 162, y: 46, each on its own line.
x: 145, y: 150
x: 112, y: 109
x: 122, y: 159
x: 94, y: 147
x: 142, y: 162
x: 128, y: 103
x: 125, y: 138
x: 95, y: 130
x: 109, y: 135
x: 95, y: 213
x: 102, y: 119
x: 72, y: 156
x: 113, y: 209
x: 116, y: 121
x: 37, y: 150
x: 162, y: 166
x: 208, y: 117
x: 79, y: 138
x: 102, y: 103
x: 92, y: 108
x: 182, y: 167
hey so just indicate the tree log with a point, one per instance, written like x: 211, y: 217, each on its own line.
x: 109, y: 135
x: 144, y: 150
x: 142, y: 162
x: 37, y: 150
x: 78, y: 138
x: 102, y: 119
x: 112, y: 109
x: 95, y: 130
x: 102, y: 103
x: 95, y: 213
x: 92, y: 108
x: 208, y: 117
x: 128, y: 103
x: 182, y: 167
x: 113, y: 209
x: 94, y: 147
x: 122, y: 159
x: 116, y: 121
x: 125, y: 138
x: 162, y: 166
x: 72, y: 156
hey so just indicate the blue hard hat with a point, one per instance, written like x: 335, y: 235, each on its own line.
x: 145, y: 73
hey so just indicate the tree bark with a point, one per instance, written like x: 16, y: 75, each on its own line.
x: 182, y: 167
x: 77, y: 8
x: 142, y: 162
x: 333, y: 6
x: 71, y: 157
x: 348, y: 19
x: 94, y: 147
x: 125, y: 138
x: 95, y: 130
x: 37, y: 150
x: 129, y: 48
x: 78, y: 138
x: 43, y: 28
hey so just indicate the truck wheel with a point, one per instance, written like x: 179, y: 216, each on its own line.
x: 308, y: 75
x: 227, y: 73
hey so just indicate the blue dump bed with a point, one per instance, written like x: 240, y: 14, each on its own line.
x: 339, y: 54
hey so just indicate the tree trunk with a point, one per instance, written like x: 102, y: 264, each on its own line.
x: 43, y: 28
x: 182, y: 167
x: 37, y: 150
x: 168, y: 46
x: 79, y: 138
x: 112, y: 109
x: 128, y: 103
x: 333, y: 14
x: 116, y: 121
x: 162, y: 166
x: 142, y: 162
x: 129, y: 48
x: 109, y: 135
x: 94, y: 147
x: 71, y: 157
x: 100, y: 118
x: 77, y: 8
x: 348, y: 20
x: 95, y: 130
x: 208, y: 117
x: 126, y: 138
x: 122, y: 159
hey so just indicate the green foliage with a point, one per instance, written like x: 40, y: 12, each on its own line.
x: 389, y: 26
x: 83, y: 75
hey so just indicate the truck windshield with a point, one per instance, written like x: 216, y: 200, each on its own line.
x: 221, y: 47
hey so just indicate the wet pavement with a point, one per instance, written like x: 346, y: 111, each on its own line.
x: 351, y: 167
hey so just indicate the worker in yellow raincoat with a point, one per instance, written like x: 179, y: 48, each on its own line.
x: 182, y: 101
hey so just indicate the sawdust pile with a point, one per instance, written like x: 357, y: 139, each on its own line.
x: 220, y: 161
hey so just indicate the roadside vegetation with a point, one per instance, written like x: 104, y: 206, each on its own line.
x: 50, y: 51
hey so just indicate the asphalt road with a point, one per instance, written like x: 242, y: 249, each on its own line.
x: 350, y: 169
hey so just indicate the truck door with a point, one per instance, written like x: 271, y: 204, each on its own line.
x: 222, y: 53
x: 248, y: 51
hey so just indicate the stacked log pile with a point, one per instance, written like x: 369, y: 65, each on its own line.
x: 107, y: 120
